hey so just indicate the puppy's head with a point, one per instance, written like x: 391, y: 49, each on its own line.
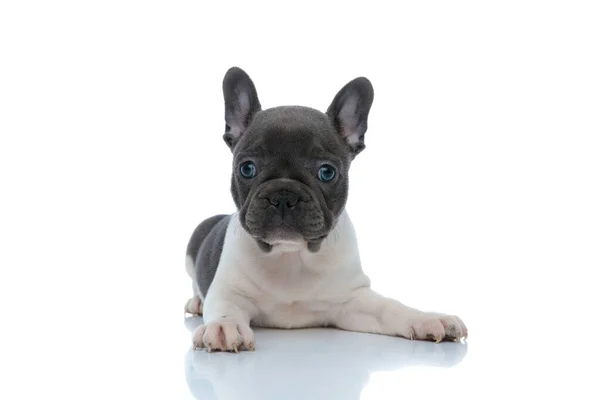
x: 290, y: 164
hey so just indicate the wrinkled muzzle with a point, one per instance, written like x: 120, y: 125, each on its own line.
x: 286, y: 210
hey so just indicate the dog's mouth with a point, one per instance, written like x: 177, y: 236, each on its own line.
x: 305, y: 224
x: 286, y: 212
x: 273, y: 227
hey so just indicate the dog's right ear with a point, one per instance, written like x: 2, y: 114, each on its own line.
x: 241, y: 104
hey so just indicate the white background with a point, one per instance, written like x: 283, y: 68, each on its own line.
x: 478, y: 193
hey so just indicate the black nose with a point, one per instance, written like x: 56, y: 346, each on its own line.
x: 283, y: 200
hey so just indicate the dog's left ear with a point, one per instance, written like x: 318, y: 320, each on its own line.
x: 349, y: 112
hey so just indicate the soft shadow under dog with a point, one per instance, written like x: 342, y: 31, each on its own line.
x: 308, y: 364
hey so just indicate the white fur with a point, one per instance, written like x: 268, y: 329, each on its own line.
x: 291, y: 287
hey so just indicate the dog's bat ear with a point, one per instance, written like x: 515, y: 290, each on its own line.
x: 241, y: 103
x: 349, y: 112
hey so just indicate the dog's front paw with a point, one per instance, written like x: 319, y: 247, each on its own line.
x: 436, y: 327
x: 224, y: 335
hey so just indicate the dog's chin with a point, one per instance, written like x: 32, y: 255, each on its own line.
x: 283, y: 239
x: 288, y: 241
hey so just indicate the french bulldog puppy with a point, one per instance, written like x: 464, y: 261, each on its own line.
x: 288, y: 258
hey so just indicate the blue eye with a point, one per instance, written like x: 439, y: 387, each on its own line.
x: 248, y: 170
x: 326, y: 173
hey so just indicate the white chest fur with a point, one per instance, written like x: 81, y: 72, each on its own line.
x: 289, y: 286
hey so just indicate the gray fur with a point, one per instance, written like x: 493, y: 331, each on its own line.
x: 288, y: 145
x: 205, y: 248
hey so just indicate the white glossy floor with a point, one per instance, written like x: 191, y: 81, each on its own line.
x: 332, y: 364
x: 108, y: 348
x: 318, y: 364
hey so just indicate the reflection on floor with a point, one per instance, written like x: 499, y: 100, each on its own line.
x: 308, y: 364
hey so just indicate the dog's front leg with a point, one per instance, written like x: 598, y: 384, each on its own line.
x: 226, y: 323
x: 368, y: 311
